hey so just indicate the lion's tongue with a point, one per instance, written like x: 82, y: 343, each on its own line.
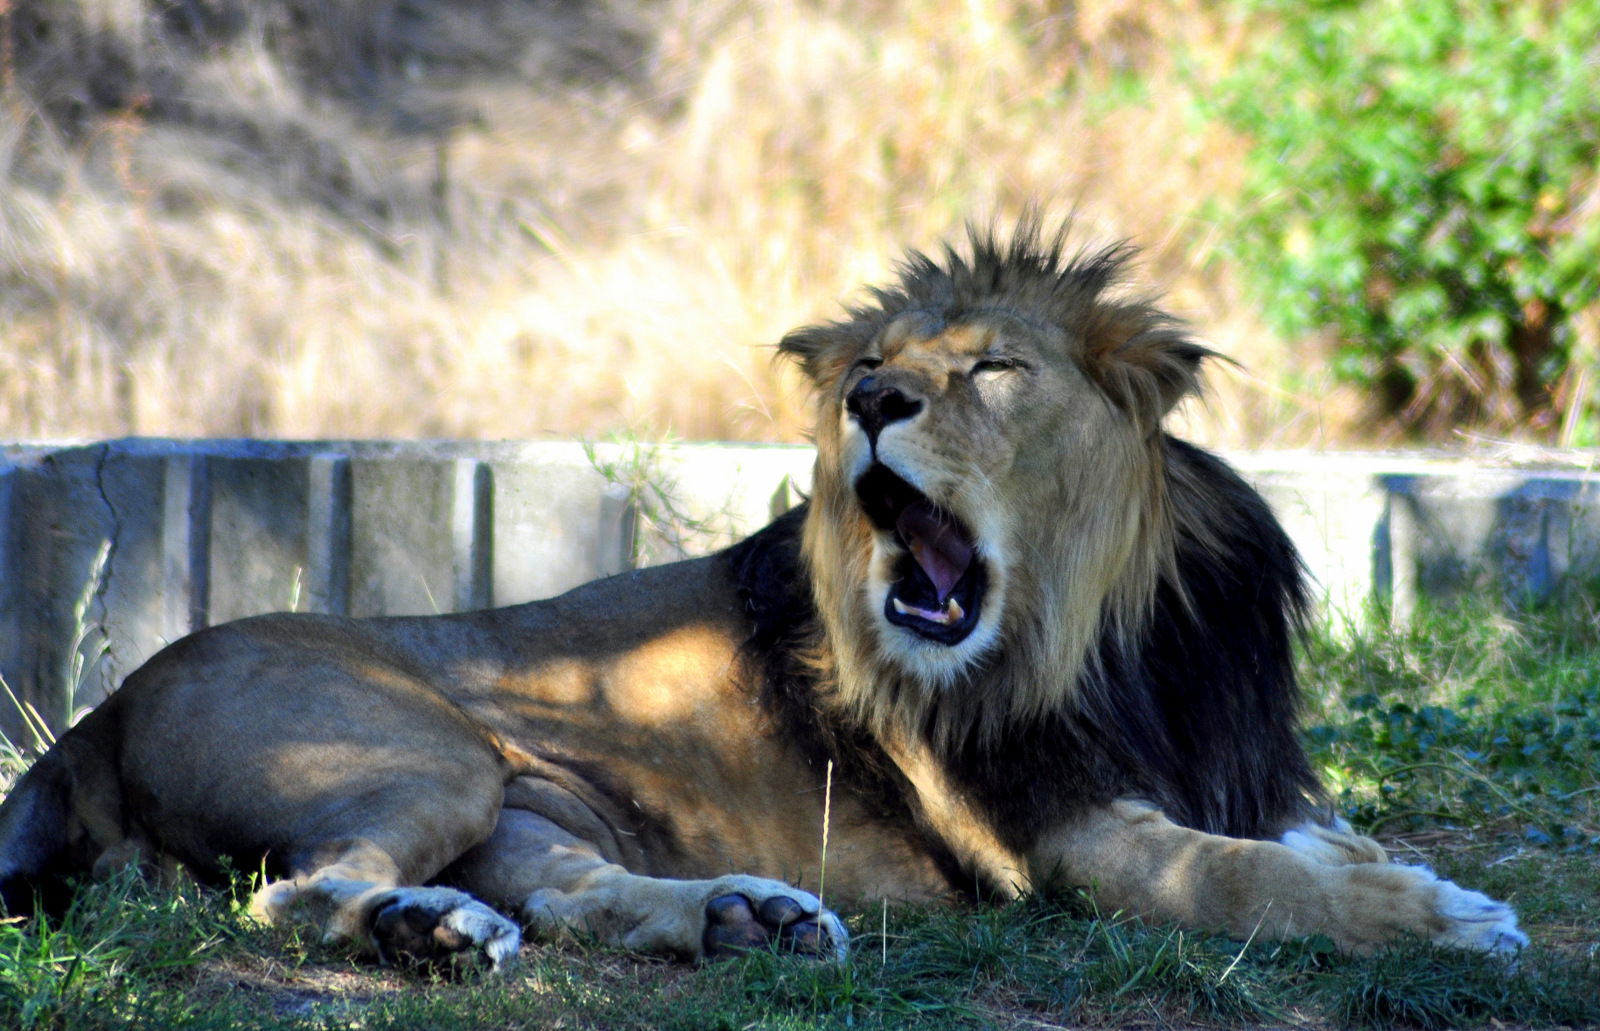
x: 939, y: 548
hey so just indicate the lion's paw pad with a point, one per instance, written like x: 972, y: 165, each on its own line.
x: 423, y: 925
x: 735, y: 923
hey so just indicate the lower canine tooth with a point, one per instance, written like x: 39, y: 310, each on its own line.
x: 953, y: 611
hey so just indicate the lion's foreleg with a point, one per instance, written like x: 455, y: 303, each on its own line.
x: 1137, y: 860
x: 559, y: 883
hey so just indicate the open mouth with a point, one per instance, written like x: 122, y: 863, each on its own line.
x: 939, y: 579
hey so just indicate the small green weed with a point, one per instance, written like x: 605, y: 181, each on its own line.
x: 660, y: 525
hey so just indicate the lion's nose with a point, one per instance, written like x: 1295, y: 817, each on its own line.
x: 875, y: 406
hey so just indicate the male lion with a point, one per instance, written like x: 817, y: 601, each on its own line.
x: 1041, y: 642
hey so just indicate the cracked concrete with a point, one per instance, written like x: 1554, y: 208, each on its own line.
x: 98, y: 615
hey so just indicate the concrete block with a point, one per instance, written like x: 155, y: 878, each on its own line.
x: 1521, y: 534
x: 107, y: 552
x: 555, y: 524
x: 13, y: 609
x: 1441, y: 537
x: 1574, y: 540
x: 327, y: 576
x: 66, y: 534
x: 154, y: 500
x: 401, y: 557
x: 718, y: 494
x: 1333, y: 512
x: 186, y: 567
x: 258, y: 538
x: 471, y: 535
x: 1439, y: 527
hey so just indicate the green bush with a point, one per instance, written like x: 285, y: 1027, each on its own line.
x: 1424, y: 182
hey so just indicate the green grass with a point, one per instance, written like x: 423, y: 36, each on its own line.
x: 1466, y: 740
x: 150, y: 958
x: 1465, y: 719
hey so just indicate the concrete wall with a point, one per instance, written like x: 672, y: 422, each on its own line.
x: 110, y: 551
x: 1397, y: 528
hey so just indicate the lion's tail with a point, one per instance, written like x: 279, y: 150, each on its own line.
x: 47, y: 819
x: 33, y: 831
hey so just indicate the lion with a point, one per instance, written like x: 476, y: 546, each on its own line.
x: 1018, y: 639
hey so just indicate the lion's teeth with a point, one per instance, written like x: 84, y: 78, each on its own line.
x: 952, y: 612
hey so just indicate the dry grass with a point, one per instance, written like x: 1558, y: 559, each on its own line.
x: 417, y: 218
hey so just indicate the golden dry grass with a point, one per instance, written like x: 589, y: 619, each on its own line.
x: 417, y: 218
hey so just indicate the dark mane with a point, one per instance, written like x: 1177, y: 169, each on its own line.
x: 1199, y: 714
x: 786, y: 652
x: 785, y: 637
x: 1175, y: 686
x: 1031, y: 272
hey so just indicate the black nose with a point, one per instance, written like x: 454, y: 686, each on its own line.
x: 876, y: 406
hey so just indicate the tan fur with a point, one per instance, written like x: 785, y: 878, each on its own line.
x: 604, y: 761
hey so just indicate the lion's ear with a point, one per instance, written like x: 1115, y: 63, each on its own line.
x: 825, y: 351
x: 1142, y: 359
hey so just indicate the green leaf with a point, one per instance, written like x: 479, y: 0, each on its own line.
x: 1417, y: 165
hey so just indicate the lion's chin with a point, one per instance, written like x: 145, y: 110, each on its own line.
x: 939, y: 579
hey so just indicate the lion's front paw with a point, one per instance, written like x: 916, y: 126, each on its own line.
x: 690, y: 919
x: 792, y: 921
x: 1473, y: 920
x: 412, y: 925
x: 752, y: 912
x: 1400, y: 899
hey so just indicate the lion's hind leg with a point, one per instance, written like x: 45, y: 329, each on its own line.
x: 300, y: 744
x: 361, y: 852
x: 559, y: 883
